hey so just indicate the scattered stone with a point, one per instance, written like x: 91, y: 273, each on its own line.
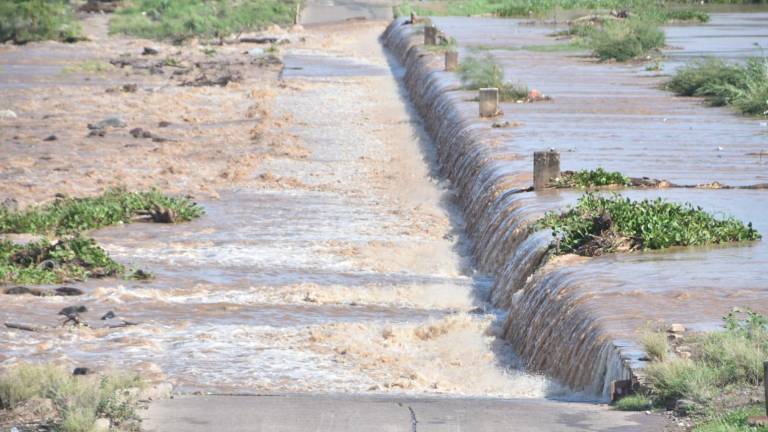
x: 150, y: 51
x: 676, y: 328
x: 125, y: 88
x: 256, y: 52
x: 163, y: 215
x: 684, y: 406
x: 140, y: 133
x: 73, y: 310
x: 221, y: 79
x: 115, y: 122
x: 20, y: 290
x: 163, y: 124
x: 99, y: 6
x: 160, y: 391
x: 7, y: 114
x: 101, y: 425
x: 109, y: 315
x: 68, y: 291
x: 262, y: 39
x: 50, y: 138
x: 10, y: 204
x: 79, y: 371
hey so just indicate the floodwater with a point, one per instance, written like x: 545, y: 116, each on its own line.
x: 344, y: 270
x: 616, y: 117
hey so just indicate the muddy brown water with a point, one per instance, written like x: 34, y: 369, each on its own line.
x: 617, y: 117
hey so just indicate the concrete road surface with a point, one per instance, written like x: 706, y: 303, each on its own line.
x: 349, y: 413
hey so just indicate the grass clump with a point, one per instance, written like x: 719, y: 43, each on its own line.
x: 719, y: 378
x: 476, y: 73
x: 590, y: 178
x: 603, y: 224
x: 635, y: 402
x: 44, y: 262
x: 183, y: 19
x: 743, y: 86
x: 68, y: 215
x: 36, y: 20
x: 77, y: 400
x: 623, y: 40
x: 655, y: 345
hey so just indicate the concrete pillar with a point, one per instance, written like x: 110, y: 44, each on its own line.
x: 430, y: 35
x: 451, y: 60
x: 546, y: 166
x: 489, y: 102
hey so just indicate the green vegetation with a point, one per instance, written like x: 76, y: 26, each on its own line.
x: 35, y: 20
x: 655, y: 344
x: 89, y: 67
x: 481, y: 73
x: 183, y: 19
x: 77, y: 400
x: 719, y: 376
x: 590, y: 178
x: 44, y: 262
x: 69, y: 215
x: 635, y: 402
x: 743, y: 86
x: 603, y: 224
x: 623, y: 40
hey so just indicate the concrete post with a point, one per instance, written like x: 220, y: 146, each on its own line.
x: 489, y: 102
x: 546, y: 166
x: 430, y: 35
x: 451, y: 60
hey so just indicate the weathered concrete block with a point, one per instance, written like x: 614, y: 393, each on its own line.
x: 430, y: 35
x: 489, y: 102
x: 451, y: 60
x: 546, y: 166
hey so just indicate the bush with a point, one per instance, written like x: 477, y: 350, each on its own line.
x: 655, y: 345
x: 35, y: 20
x: 743, y: 86
x: 482, y: 73
x: 68, y: 215
x: 623, y: 40
x: 79, y: 400
x: 183, y: 19
x: 599, y: 224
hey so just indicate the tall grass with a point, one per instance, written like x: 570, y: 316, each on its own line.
x: 476, y: 73
x: 23, y: 21
x: 623, y: 40
x: 183, y: 19
x: 743, y: 86
x: 79, y: 400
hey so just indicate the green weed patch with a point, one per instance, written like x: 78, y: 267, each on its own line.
x: 603, y: 224
x: 45, y: 262
x: 743, y: 86
x: 623, y: 40
x: 36, y: 20
x: 68, y: 215
x: 183, y: 19
x: 476, y: 73
x: 590, y: 178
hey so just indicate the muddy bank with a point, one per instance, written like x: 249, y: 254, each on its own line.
x: 576, y: 319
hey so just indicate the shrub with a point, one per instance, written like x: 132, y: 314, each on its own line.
x: 623, y: 40
x: 590, y: 178
x: 599, y: 224
x: 183, y: 19
x: 68, y: 215
x: 655, y: 345
x: 486, y: 72
x: 744, y: 86
x: 79, y: 400
x: 35, y: 20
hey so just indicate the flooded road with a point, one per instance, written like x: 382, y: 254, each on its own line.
x: 342, y: 269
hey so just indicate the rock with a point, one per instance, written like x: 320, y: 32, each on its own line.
x: 79, y: 371
x: 68, y: 291
x: 163, y: 124
x: 150, y: 51
x: 107, y: 316
x: 10, y: 204
x: 51, y: 138
x: 163, y: 215
x: 7, y: 114
x: 101, y: 425
x: 19, y: 290
x: 140, y: 133
x: 684, y: 406
x: 160, y: 391
x: 115, y: 122
x: 676, y: 328
x: 73, y: 310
